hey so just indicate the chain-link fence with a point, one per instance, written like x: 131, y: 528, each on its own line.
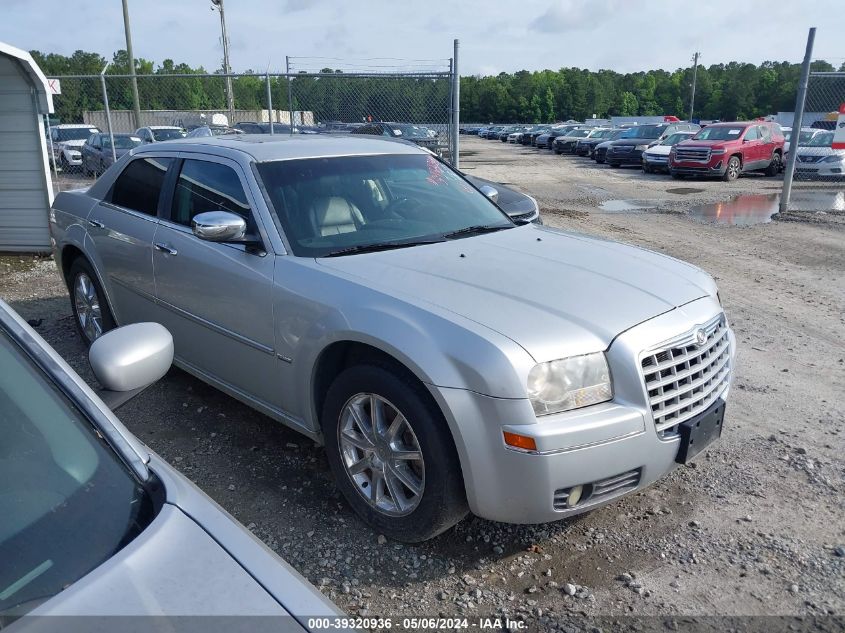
x: 324, y: 101
x: 818, y: 160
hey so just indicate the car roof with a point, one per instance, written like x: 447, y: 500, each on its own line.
x: 73, y: 125
x: 162, y: 127
x: 267, y: 147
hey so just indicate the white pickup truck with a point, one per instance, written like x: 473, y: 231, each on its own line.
x: 66, y: 141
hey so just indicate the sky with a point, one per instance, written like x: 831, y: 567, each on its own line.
x: 495, y: 35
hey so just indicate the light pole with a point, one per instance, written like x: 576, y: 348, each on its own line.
x: 694, y: 75
x: 136, y: 107
x: 230, y: 97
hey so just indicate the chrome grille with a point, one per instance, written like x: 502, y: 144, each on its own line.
x: 692, y: 153
x: 685, y: 378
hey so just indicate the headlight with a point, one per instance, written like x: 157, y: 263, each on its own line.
x: 835, y: 158
x: 717, y: 151
x: 569, y: 383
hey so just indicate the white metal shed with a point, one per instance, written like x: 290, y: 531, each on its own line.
x: 26, y: 191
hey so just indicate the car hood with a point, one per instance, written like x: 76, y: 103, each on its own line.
x: 697, y: 143
x: 659, y: 150
x: 803, y: 150
x: 556, y: 294
x: 633, y: 141
x: 74, y: 144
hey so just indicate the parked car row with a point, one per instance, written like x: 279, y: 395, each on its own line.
x: 682, y: 149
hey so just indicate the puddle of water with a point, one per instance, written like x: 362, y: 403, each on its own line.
x: 739, y: 211
x: 758, y: 209
x: 621, y: 206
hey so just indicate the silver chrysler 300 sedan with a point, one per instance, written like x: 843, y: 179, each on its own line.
x: 365, y: 294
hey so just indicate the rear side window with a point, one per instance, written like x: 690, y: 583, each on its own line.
x: 752, y: 134
x: 206, y: 186
x: 139, y: 186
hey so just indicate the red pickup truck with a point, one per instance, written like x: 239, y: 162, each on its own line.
x: 729, y: 149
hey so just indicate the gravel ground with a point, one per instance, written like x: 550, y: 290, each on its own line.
x: 754, y: 527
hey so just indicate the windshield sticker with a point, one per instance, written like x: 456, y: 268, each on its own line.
x: 734, y: 132
x: 435, y: 171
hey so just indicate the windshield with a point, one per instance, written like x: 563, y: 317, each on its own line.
x: 409, y: 131
x: 805, y: 137
x: 122, y: 142
x: 674, y: 139
x: 167, y: 135
x: 719, y: 133
x: 74, y: 133
x: 645, y: 131
x: 599, y: 133
x: 579, y: 133
x: 825, y: 139
x: 67, y: 502
x: 328, y: 204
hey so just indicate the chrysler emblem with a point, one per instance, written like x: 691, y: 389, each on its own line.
x: 700, y: 336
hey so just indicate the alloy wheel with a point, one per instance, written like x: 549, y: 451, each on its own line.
x: 381, y: 454
x: 87, y: 303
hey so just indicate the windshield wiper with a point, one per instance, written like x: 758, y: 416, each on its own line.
x: 382, y: 246
x: 477, y: 229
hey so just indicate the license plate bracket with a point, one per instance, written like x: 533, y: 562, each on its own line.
x: 701, y: 431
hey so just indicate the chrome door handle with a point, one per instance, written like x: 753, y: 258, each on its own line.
x: 97, y: 223
x: 164, y: 248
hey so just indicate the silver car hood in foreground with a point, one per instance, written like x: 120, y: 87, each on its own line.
x: 556, y: 294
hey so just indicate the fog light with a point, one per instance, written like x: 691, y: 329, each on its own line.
x: 574, y: 496
x: 522, y: 442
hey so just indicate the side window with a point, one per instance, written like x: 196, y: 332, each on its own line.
x: 766, y: 133
x: 139, y: 185
x: 751, y: 134
x: 95, y: 141
x: 206, y: 186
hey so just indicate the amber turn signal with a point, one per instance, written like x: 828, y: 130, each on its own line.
x: 520, y: 441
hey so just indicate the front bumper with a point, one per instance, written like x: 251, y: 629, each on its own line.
x: 633, y: 157
x: 820, y: 170
x: 74, y: 159
x: 655, y: 162
x: 716, y: 166
x: 612, y: 449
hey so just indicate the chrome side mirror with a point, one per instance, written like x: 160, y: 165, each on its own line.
x: 129, y: 359
x: 490, y: 192
x: 218, y: 226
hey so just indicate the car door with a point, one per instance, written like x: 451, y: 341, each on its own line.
x: 122, y: 227
x: 216, y: 298
x: 751, y: 147
x: 86, y: 151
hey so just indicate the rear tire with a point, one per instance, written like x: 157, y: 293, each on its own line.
x: 407, y: 499
x: 88, y: 302
x: 774, y: 167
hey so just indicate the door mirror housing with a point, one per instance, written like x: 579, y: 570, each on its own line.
x: 490, y: 192
x: 219, y: 226
x: 129, y: 359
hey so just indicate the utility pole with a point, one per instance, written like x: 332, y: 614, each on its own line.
x: 694, y: 76
x: 800, y: 100
x: 227, y: 70
x: 136, y: 107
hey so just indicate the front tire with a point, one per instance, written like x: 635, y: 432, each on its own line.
x: 732, y: 170
x: 88, y: 301
x: 391, y: 453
